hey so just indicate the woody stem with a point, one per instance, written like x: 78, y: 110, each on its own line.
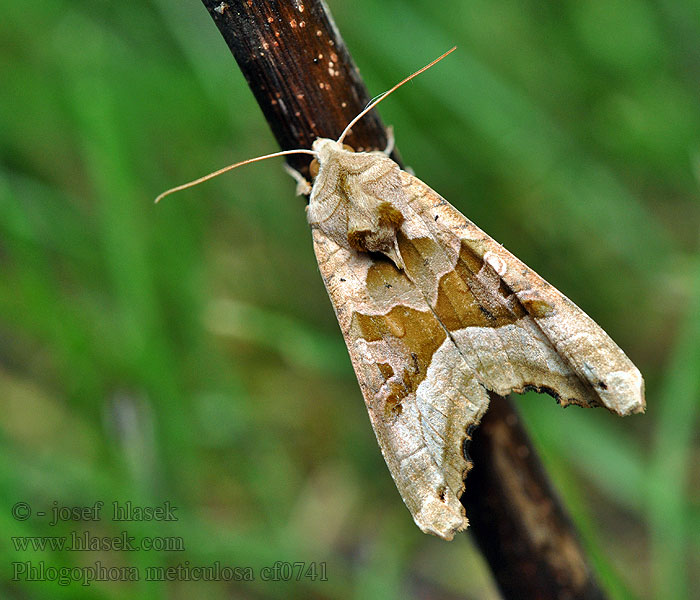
x: 518, y: 521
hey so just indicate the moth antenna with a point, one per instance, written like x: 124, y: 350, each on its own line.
x: 190, y: 184
x: 382, y: 96
x: 377, y: 97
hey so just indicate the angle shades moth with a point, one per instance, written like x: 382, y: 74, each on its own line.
x: 435, y: 314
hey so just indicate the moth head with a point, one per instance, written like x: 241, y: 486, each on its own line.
x: 325, y: 149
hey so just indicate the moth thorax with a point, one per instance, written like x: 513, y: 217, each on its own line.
x: 373, y: 230
x: 330, y: 147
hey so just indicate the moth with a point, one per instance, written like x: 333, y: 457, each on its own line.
x: 435, y: 315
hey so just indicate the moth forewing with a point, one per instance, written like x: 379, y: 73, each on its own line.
x: 591, y: 354
x: 436, y: 314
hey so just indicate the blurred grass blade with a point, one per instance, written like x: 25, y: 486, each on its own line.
x: 678, y: 407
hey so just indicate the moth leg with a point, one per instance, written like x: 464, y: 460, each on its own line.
x: 391, y: 141
x: 303, y: 186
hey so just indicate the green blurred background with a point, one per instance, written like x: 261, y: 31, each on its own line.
x: 188, y: 352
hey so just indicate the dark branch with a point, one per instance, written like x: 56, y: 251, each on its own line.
x: 307, y: 86
x: 520, y: 524
x: 300, y: 71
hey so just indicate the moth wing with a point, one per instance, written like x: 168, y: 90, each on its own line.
x: 390, y: 330
x: 606, y: 375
